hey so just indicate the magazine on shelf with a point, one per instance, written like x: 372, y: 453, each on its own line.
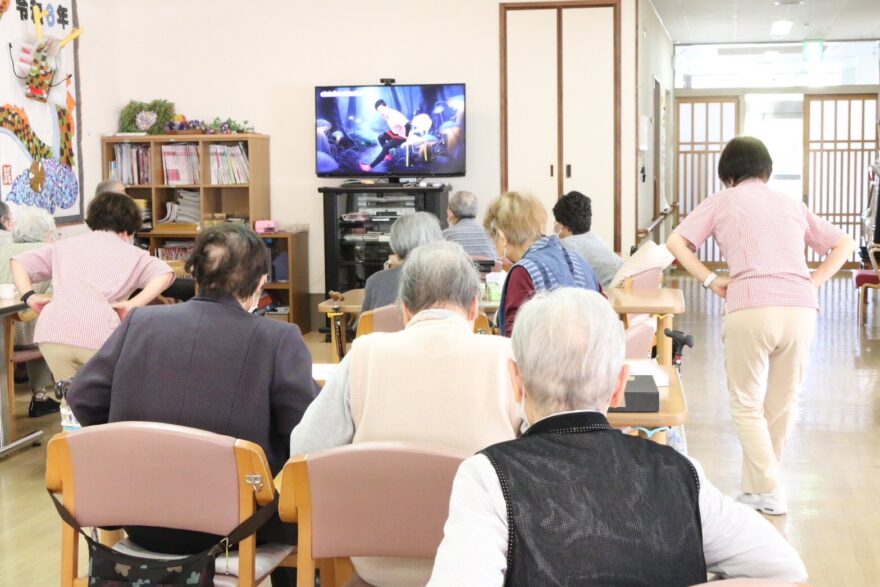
x: 180, y: 164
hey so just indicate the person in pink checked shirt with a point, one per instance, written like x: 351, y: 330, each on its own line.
x: 771, y: 303
x: 93, y: 276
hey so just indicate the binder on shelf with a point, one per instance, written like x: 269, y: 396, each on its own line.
x: 131, y: 164
x: 229, y: 164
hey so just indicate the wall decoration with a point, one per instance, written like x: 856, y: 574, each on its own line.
x: 40, y: 143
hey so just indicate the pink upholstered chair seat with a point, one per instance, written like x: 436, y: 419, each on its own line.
x: 638, y: 341
x: 25, y: 355
x: 269, y: 556
x: 752, y: 583
x: 865, y: 277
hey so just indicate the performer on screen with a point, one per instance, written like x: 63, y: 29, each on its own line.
x: 398, y: 129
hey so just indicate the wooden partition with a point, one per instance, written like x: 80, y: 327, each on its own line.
x: 840, y: 142
x: 703, y: 126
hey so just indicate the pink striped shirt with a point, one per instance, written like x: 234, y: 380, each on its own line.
x: 762, y: 235
x: 88, y: 273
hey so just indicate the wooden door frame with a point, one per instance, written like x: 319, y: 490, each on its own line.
x: 558, y: 6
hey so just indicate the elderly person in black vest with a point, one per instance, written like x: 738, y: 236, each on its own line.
x: 575, y: 502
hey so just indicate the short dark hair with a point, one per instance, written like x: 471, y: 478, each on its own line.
x: 114, y: 212
x: 744, y: 158
x: 575, y: 212
x: 228, y: 259
x: 379, y: 103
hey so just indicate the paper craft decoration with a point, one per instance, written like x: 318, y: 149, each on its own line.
x: 39, y: 107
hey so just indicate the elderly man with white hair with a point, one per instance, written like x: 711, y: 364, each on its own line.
x: 407, y: 233
x: 464, y: 228
x: 575, y: 502
x: 435, y: 382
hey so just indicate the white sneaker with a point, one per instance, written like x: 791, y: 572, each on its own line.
x: 772, y: 503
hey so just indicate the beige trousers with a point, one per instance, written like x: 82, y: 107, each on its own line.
x: 766, y: 351
x: 65, y: 360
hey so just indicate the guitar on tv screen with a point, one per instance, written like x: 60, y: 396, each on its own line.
x: 390, y: 130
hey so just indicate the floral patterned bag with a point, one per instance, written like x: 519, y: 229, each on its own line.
x: 110, y: 568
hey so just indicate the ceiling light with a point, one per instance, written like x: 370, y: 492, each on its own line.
x: 788, y: 2
x: 781, y: 28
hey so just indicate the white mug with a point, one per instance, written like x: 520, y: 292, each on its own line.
x: 7, y: 291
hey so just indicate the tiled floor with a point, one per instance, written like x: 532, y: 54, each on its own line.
x: 831, y: 469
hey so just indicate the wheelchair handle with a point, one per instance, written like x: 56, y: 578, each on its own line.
x: 680, y: 337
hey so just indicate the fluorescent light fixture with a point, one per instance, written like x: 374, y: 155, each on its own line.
x: 788, y: 2
x: 781, y: 28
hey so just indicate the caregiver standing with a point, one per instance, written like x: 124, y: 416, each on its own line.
x: 771, y: 303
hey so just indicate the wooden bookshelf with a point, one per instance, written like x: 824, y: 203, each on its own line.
x: 242, y: 200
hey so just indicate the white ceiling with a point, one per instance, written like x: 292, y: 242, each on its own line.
x: 748, y: 21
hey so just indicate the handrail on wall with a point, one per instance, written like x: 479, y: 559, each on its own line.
x: 643, y: 233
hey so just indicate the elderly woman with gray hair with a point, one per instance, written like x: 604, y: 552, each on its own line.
x: 435, y: 382
x: 407, y: 233
x: 464, y: 228
x: 576, y: 502
x: 34, y: 228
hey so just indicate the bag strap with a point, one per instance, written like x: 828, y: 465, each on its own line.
x: 253, y: 523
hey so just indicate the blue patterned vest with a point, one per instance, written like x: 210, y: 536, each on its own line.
x: 550, y: 265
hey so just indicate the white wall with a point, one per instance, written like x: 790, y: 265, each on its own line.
x: 655, y: 60
x: 260, y: 61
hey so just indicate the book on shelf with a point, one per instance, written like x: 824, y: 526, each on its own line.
x: 146, y: 213
x: 229, y: 164
x: 131, y: 164
x: 187, y: 208
x: 175, y: 250
x: 180, y: 164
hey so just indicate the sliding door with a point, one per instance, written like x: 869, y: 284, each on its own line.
x: 588, y: 138
x: 532, y: 109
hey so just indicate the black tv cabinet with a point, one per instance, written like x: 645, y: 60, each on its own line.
x: 356, y: 248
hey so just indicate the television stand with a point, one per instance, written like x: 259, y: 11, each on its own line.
x: 357, y: 247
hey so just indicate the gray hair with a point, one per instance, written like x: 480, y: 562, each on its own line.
x: 110, y: 185
x: 463, y: 205
x: 33, y: 225
x: 437, y: 274
x: 569, y: 345
x: 414, y: 230
x: 5, y: 213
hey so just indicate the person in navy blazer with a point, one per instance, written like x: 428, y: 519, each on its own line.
x: 208, y: 363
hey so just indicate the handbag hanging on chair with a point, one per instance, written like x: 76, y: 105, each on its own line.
x: 110, y: 568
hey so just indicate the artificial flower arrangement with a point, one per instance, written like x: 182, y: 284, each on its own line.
x: 180, y: 124
x: 151, y: 118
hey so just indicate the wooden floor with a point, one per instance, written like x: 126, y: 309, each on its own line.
x: 831, y: 469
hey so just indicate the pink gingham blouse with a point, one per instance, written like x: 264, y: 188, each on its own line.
x: 88, y: 273
x: 762, y: 234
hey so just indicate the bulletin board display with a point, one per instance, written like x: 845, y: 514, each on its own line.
x: 40, y: 144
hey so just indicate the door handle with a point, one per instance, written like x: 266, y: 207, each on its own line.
x: 551, y: 170
x: 568, y: 170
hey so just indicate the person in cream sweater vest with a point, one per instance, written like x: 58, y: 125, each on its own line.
x: 435, y: 382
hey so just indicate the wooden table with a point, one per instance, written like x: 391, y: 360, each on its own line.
x: 7, y: 442
x: 351, y: 305
x: 673, y: 407
x: 662, y: 302
x: 673, y: 410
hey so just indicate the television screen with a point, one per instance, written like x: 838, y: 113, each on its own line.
x: 397, y: 131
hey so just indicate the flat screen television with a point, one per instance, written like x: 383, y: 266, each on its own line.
x: 390, y: 131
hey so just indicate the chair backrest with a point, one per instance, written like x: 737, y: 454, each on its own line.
x: 753, y: 583
x: 385, y: 319
x: 650, y: 279
x: 370, y: 499
x: 638, y: 341
x: 150, y: 474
